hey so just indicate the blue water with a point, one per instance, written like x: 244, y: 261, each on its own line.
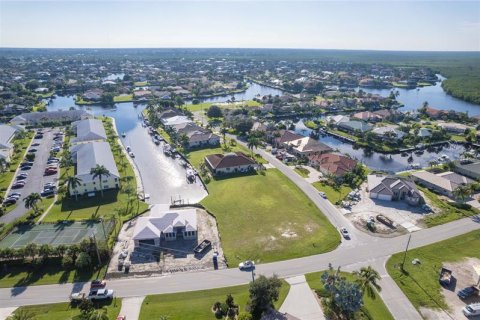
x: 434, y: 95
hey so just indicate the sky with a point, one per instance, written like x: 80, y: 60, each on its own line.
x: 373, y: 25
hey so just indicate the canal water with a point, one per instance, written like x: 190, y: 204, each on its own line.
x: 434, y: 95
x: 377, y: 161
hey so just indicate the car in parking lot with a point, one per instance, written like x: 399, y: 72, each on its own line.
x: 47, y: 193
x: 25, y: 168
x: 18, y: 185
x: 472, y: 310
x: 50, y: 171
x: 52, y: 161
x: 36, y: 144
x: 27, y: 163
x: 9, y: 201
x: 33, y: 150
x: 15, y: 195
x: 246, y: 265
x: 38, y: 136
x: 345, y: 233
x: 97, y: 284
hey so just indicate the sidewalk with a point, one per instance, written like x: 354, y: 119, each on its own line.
x: 6, y: 312
x: 300, y: 301
x: 131, y: 307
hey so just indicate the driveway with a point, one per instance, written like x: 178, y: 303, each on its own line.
x: 301, y: 301
x: 36, y: 179
x: 131, y: 307
x: 163, y: 178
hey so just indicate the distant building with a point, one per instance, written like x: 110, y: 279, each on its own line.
x: 234, y: 162
x: 87, y: 156
x: 393, y: 188
x: 88, y: 130
x: 50, y: 117
x: 7, y: 133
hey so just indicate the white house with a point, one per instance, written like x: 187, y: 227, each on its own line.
x: 88, y: 130
x: 86, y: 156
x: 175, y: 120
x: 7, y: 133
x: 165, y: 224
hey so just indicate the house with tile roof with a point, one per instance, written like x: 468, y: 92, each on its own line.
x: 332, y: 163
x: 306, y: 146
x: 228, y: 163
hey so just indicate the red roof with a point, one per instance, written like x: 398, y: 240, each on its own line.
x: 334, y: 163
x: 229, y: 160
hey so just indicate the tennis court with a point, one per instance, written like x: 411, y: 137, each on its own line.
x: 55, y: 234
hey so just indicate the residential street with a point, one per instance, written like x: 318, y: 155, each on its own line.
x: 36, y: 179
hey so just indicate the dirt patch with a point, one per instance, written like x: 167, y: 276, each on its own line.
x: 464, y: 276
x: 175, y: 256
x: 289, y: 234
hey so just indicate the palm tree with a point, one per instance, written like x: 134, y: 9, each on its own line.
x: 31, y: 201
x: 367, y: 279
x: 22, y: 314
x: 253, y: 142
x: 72, y: 184
x: 223, y: 131
x: 99, y: 171
x: 462, y: 192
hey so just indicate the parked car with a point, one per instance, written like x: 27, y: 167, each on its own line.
x: 50, y: 171
x: 18, y: 185
x: 52, y: 161
x: 345, y: 233
x: 100, y: 294
x: 27, y: 163
x: 16, y: 195
x: 77, y: 296
x: 467, y: 292
x: 98, y: 284
x: 472, y: 310
x: 33, y: 150
x: 129, y: 149
x: 323, y: 195
x: 54, y: 158
x: 131, y: 154
x: 246, y: 265
x: 47, y: 193
x: 9, y: 201
x: 38, y: 136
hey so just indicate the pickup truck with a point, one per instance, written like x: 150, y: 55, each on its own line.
x: 100, y: 294
x: 445, y: 276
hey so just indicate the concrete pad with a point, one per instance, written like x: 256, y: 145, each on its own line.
x: 6, y: 312
x: 301, y: 301
x: 131, y: 307
x: 410, y: 226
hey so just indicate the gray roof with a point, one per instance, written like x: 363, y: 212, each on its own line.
x: 356, y: 125
x: 388, y: 184
x: 6, y: 134
x: 63, y: 116
x: 88, y: 155
x: 89, y: 130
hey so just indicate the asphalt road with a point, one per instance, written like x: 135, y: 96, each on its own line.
x: 163, y: 178
x: 35, y: 179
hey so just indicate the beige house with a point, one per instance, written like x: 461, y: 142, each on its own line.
x: 234, y: 162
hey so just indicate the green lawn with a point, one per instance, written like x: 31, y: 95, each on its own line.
x: 302, y: 171
x: 206, y: 105
x: 95, y: 207
x: 420, y: 282
x: 196, y: 305
x: 343, y: 134
x: 62, y: 311
x: 79, y: 101
x: 18, y: 276
x: 447, y: 211
x: 333, y: 195
x: 123, y: 98
x: 374, y: 306
x: 17, y: 157
x: 267, y: 218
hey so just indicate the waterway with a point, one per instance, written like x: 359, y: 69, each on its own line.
x: 434, y: 95
x: 377, y: 161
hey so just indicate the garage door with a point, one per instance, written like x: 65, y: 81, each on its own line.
x: 384, y: 197
x: 148, y: 241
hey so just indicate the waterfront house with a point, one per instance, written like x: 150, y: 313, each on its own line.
x: 93, y: 95
x: 172, y: 121
x: 453, y: 127
x: 87, y: 156
x: 444, y: 183
x: 202, y: 138
x: 165, y: 225
x: 389, y: 132
x: 468, y: 167
x: 332, y: 163
x: 234, y: 162
x: 354, y: 126
x: 306, y: 146
x: 88, y: 130
x: 393, y: 188
x: 285, y: 136
x: 367, y: 116
x: 168, y: 113
x: 335, y: 120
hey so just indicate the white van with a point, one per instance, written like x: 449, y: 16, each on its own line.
x: 472, y: 310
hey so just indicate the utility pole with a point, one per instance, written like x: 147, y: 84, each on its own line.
x: 253, y: 274
x: 96, y: 247
x: 406, y: 249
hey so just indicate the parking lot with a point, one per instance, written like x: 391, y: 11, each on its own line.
x: 36, y: 178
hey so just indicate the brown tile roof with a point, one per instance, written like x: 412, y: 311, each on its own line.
x: 286, y: 136
x: 228, y: 160
x: 334, y: 163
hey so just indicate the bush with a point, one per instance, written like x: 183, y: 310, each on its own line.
x: 67, y: 262
x: 83, y: 261
x: 244, y: 316
x: 458, y: 205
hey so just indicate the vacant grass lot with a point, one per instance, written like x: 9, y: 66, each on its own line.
x: 123, y: 98
x: 374, y: 306
x: 52, y: 273
x: 333, y: 195
x: 96, y: 207
x: 420, y: 282
x: 448, y: 212
x: 62, y: 311
x: 196, y: 305
x: 267, y: 218
x: 206, y: 105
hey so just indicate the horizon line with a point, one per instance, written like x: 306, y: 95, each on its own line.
x: 234, y: 48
